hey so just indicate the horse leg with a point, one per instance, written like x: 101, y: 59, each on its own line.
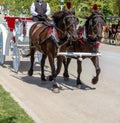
x: 95, y: 61
x: 79, y: 70
x: 66, y: 62
x: 42, y: 67
x: 52, y: 66
x: 32, y: 52
x: 59, y: 64
x: 52, y: 77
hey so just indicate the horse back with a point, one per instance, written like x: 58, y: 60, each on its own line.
x: 34, y: 27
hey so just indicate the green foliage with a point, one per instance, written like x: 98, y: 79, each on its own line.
x: 54, y: 4
x: 116, y: 5
x: 81, y: 7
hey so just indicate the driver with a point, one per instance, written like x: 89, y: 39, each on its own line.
x: 40, y: 10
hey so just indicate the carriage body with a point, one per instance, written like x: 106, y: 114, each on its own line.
x: 14, y: 38
x: 18, y: 27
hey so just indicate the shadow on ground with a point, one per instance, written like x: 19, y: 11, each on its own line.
x: 64, y: 85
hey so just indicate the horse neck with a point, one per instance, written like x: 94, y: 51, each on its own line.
x: 61, y: 31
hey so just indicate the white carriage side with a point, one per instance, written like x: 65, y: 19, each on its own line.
x: 14, y: 34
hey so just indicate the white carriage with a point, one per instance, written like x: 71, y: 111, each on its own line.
x: 14, y: 39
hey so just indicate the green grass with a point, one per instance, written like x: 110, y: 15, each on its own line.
x: 10, y: 111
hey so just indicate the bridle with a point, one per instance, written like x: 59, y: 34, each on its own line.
x: 73, y: 23
x: 93, y: 25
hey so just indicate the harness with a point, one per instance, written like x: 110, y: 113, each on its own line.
x: 90, y: 26
x: 68, y: 16
x: 95, y: 43
x: 52, y: 33
x: 92, y: 38
x: 53, y: 30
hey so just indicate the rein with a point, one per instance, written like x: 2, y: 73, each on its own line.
x: 68, y: 16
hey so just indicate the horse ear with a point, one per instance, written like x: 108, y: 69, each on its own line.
x: 73, y: 11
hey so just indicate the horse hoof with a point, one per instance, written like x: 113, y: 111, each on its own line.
x: 94, y: 80
x: 30, y: 73
x: 43, y: 79
x: 49, y: 78
x: 56, y: 90
x: 78, y: 86
x: 66, y: 78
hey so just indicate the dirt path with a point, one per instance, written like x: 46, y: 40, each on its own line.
x: 71, y: 105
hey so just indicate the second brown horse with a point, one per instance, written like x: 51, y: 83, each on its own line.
x: 90, y: 38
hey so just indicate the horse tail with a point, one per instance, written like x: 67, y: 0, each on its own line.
x: 27, y: 53
x: 30, y: 34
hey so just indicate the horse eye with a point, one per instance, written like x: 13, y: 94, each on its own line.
x: 68, y: 20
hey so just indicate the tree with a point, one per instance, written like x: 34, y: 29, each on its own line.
x: 116, y: 7
x: 110, y: 7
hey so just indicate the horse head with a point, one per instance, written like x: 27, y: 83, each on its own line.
x: 94, y: 26
x: 66, y: 22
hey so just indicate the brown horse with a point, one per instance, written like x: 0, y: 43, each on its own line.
x: 46, y: 38
x: 89, y: 42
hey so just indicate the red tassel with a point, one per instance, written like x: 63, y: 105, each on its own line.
x: 69, y: 5
x: 95, y: 7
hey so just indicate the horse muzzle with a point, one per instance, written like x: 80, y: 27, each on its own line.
x: 74, y: 37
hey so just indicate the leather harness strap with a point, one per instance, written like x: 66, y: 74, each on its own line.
x: 36, y: 28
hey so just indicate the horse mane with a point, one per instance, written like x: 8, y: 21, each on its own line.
x: 61, y: 14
